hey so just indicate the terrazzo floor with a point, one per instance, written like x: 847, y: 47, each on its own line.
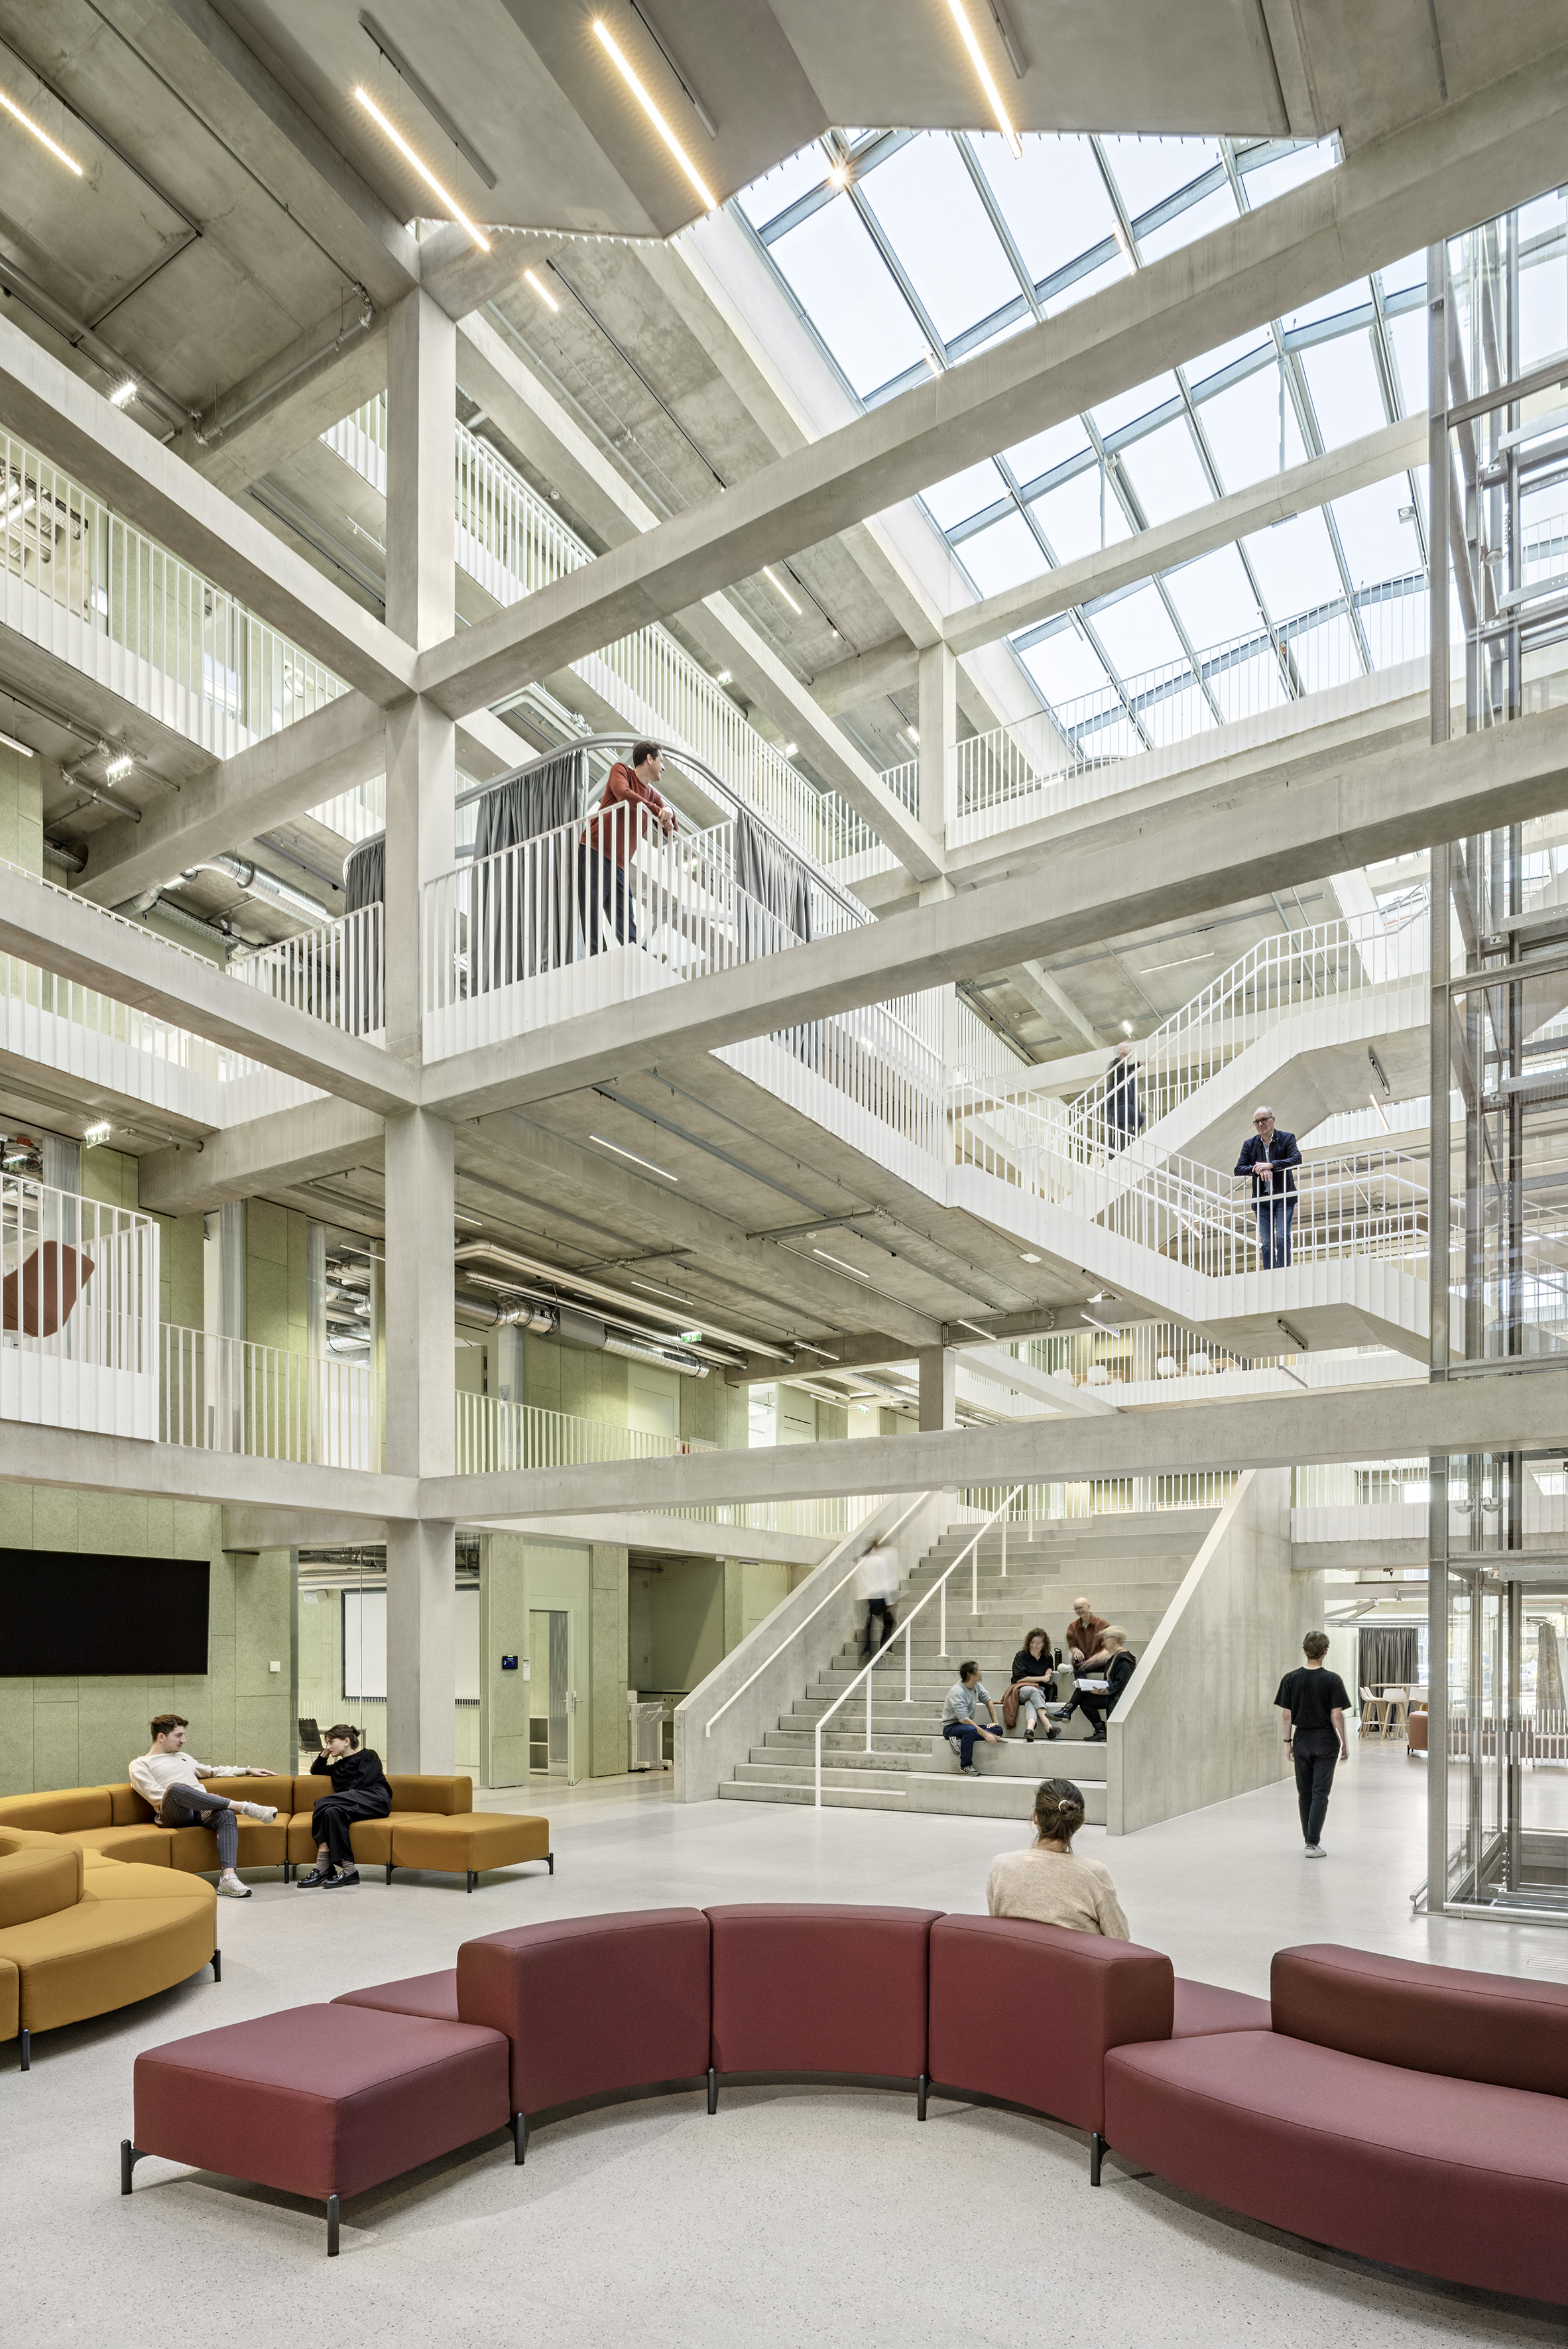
x: 796, y: 2213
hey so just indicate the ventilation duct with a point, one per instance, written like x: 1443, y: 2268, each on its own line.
x: 573, y: 1328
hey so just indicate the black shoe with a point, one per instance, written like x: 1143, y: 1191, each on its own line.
x: 1097, y: 1737
x: 1028, y: 1736
x: 1052, y: 1733
x: 339, y: 1876
x: 317, y: 1876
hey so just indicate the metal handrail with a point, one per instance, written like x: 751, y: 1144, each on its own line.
x: 919, y: 1502
x: 905, y: 1630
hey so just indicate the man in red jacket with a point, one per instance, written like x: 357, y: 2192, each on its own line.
x: 628, y: 809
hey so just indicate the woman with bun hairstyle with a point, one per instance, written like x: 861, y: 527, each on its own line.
x: 1046, y: 1882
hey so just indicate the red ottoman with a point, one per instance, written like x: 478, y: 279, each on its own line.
x: 1203, y: 2009
x: 433, y: 1995
x: 1026, y: 2013
x: 591, y: 2005
x: 799, y: 1989
x: 322, y: 2101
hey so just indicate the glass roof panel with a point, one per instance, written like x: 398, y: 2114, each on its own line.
x: 1542, y: 312
x: 1328, y: 306
x: 1046, y: 450
x: 1294, y: 566
x: 962, y: 494
x: 1093, y: 281
x: 766, y: 197
x: 1147, y: 170
x: 1065, y: 666
x: 1396, y: 277
x: 838, y: 276
x: 1072, y: 516
x: 1166, y: 472
x: 1265, y: 181
x: 1213, y: 597
x: 1209, y: 212
x: 1137, y: 633
x: 1409, y: 337
x: 1243, y: 428
x: 1052, y: 200
x: 1346, y: 393
x: 1200, y: 371
x: 1376, y: 543
x: 925, y: 200
x: 1001, y: 555
x: 1126, y: 407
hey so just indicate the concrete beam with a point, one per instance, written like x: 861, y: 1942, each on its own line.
x: 318, y: 1138
x: 41, y: 924
x: 1524, y: 1412
x: 891, y: 667
x: 121, y: 1464
x: 1435, y: 178
x: 1115, y: 873
x: 56, y: 413
x: 1047, y: 996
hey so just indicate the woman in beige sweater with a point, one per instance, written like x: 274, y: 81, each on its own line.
x: 1047, y: 1883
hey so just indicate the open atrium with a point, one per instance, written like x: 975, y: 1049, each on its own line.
x: 783, y: 1005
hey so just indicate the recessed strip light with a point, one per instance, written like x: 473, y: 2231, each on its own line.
x: 542, y: 290
x: 655, y: 117
x: 39, y: 133
x: 987, y: 83
x: 853, y: 1270
x: 774, y: 581
x: 401, y: 144
x: 11, y: 743
x: 123, y: 393
x: 1180, y: 962
x: 633, y: 1158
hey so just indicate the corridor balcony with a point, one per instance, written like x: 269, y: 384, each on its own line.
x: 79, y: 1311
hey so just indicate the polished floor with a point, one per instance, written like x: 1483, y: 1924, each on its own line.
x: 794, y: 2213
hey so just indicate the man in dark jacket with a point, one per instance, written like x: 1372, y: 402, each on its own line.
x: 1119, y: 1670
x: 1271, y: 1157
x: 1120, y: 1099
x: 355, y: 1789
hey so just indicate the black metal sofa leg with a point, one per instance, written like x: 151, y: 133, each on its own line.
x: 1097, y: 2149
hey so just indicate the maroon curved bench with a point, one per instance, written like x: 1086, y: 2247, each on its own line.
x: 1412, y: 2114
x: 803, y: 1989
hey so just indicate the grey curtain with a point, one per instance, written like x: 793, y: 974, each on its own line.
x: 775, y: 880
x: 523, y: 918
x: 1389, y: 1653
x: 365, y: 875
x: 364, y: 884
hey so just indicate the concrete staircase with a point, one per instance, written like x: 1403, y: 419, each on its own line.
x: 1128, y: 1566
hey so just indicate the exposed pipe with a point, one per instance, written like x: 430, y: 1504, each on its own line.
x: 258, y: 883
x: 70, y: 858
x: 80, y: 336
x: 575, y: 1329
x: 98, y: 791
x: 208, y: 431
x: 510, y: 1260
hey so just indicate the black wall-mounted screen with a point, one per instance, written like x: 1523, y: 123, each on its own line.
x: 62, y: 1613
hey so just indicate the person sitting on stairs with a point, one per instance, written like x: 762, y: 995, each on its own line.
x: 1046, y: 1882
x: 1085, y: 1649
x: 1092, y: 1704
x: 961, y: 1722
x: 1033, y: 1684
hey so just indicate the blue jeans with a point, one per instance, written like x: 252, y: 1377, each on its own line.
x: 1275, y: 1217
x: 962, y: 1733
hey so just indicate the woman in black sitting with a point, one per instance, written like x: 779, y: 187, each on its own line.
x: 359, y: 1791
x: 1034, y: 1683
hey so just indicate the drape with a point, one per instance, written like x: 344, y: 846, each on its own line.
x: 773, y: 880
x: 523, y: 919
x: 1389, y: 1651
x: 364, y: 884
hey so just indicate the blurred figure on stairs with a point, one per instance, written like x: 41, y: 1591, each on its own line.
x: 1033, y: 1684
x: 876, y: 1580
x: 961, y: 1722
x: 1120, y: 1099
x: 1096, y: 1704
x: 1047, y: 1883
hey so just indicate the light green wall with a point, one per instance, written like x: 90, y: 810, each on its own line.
x: 591, y: 1385
x: 83, y: 1731
x: 22, y: 784
x: 113, y: 1177
x: 590, y: 1583
x: 275, y: 1312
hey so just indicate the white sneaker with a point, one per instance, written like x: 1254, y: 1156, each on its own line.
x: 231, y: 1888
x: 265, y: 1812
x: 1315, y: 1851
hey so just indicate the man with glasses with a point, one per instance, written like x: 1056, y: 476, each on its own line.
x: 1271, y: 1157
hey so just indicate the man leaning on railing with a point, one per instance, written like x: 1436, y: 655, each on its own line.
x: 1271, y: 1157
x: 629, y: 807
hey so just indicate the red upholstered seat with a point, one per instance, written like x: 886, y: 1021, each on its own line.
x: 1509, y: 2029
x: 1454, y: 2178
x: 593, y: 2004
x: 1202, y: 2009
x: 1026, y: 2011
x: 435, y: 1995
x: 321, y: 2100
x: 807, y: 1989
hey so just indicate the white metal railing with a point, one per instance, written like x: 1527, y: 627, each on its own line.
x: 91, y: 588
x: 938, y: 1591
x: 810, y: 1520
x: 263, y: 1402
x: 868, y: 1508
x: 78, y: 1310
x: 1253, y: 687
x: 336, y: 973
x: 1373, y: 1205
x: 1276, y: 976
x: 494, y: 1436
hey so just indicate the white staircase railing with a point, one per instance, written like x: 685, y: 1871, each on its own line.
x: 938, y: 1591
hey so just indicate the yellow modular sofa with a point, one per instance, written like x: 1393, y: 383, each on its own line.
x: 81, y: 1934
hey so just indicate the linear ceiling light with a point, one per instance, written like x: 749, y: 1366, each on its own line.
x: 633, y: 1158
x: 39, y: 133
x: 401, y: 144
x: 774, y: 581
x: 987, y: 83
x: 542, y: 290
x: 655, y: 117
x: 853, y: 1269
x: 11, y: 743
x: 123, y: 393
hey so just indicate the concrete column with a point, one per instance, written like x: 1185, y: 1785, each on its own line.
x: 421, y: 1563
x: 938, y: 1376
x: 938, y: 734
x: 421, y: 432
x: 421, y: 783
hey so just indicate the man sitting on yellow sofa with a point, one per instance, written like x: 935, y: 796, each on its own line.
x: 166, y: 1776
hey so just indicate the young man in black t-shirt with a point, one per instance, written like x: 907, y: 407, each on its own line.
x: 1313, y: 1703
